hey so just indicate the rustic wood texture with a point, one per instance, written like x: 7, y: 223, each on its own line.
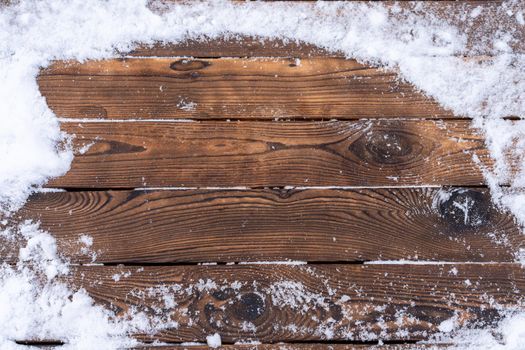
x: 259, y: 225
x: 316, y: 303
x: 259, y: 154
x: 273, y: 303
x: 240, y: 46
x: 263, y: 88
x: 279, y: 346
x: 299, y: 346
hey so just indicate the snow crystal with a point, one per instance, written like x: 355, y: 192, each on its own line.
x: 294, y: 294
x: 86, y: 240
x: 187, y: 106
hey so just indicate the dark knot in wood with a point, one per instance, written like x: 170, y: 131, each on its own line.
x: 249, y: 307
x: 391, y: 147
x: 185, y: 65
x: 466, y: 209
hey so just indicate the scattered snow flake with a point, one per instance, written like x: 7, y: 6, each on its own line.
x: 214, y: 341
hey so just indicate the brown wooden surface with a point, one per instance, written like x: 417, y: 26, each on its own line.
x: 282, y: 346
x: 262, y: 88
x: 240, y: 46
x: 299, y: 346
x: 274, y: 303
x: 259, y: 154
x: 276, y: 225
x: 323, y: 303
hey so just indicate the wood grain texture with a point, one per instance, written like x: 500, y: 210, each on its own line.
x: 300, y: 346
x: 259, y: 154
x: 240, y: 46
x: 279, y: 346
x: 274, y: 303
x: 263, y: 88
x: 259, y: 225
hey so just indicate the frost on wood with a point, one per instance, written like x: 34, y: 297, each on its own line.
x: 421, y: 47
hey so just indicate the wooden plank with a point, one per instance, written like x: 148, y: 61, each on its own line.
x: 263, y: 88
x: 299, y: 346
x: 238, y: 46
x: 490, y: 21
x: 279, y: 346
x: 273, y: 303
x: 276, y: 225
x: 259, y: 154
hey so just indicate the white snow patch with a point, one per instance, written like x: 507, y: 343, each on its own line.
x: 36, y: 304
x: 283, y: 262
x: 214, y: 341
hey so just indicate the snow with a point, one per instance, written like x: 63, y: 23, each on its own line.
x: 508, y: 335
x: 277, y: 262
x: 420, y: 47
x: 185, y: 105
x: 424, y: 262
x: 214, y: 341
x: 86, y: 240
x: 36, y: 308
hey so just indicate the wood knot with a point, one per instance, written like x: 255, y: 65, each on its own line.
x: 115, y: 147
x: 285, y: 193
x: 429, y: 313
x: 275, y: 146
x: 185, y: 65
x: 336, y: 312
x: 392, y: 147
x: 249, y: 307
x: 462, y: 208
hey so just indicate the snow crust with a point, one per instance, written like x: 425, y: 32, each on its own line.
x: 424, y: 49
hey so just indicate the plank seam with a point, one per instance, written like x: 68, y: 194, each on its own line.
x: 311, y: 263
x: 52, y: 189
x: 266, y: 120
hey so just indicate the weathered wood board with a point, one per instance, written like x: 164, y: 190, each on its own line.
x: 269, y: 154
x: 298, y: 346
x: 272, y: 303
x: 319, y: 225
x: 196, y: 172
x: 224, y: 88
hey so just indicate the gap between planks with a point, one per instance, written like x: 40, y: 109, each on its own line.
x: 284, y: 120
x: 260, y: 346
